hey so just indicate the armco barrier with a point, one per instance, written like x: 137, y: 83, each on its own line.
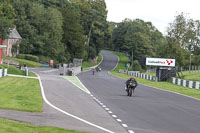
x: 140, y: 75
x: 186, y: 83
x: 3, y: 72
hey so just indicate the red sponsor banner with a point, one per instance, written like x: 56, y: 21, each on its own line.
x: 0, y: 50
x: 51, y: 62
x: 0, y: 55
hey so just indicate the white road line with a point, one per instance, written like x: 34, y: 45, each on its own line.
x: 106, y: 108
x: 83, y: 85
x: 117, y: 62
x: 110, y: 112
x: 119, y: 120
x: 94, y: 98
x: 87, y: 91
x: 114, y: 116
x: 172, y: 92
x: 78, y: 118
x: 131, y: 131
x: 124, y: 125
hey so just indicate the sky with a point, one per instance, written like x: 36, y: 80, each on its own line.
x: 159, y: 12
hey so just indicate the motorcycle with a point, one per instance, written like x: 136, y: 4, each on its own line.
x: 131, y: 87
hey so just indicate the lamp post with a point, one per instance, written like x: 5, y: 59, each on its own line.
x: 190, y: 62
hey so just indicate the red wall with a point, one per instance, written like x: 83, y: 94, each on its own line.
x: 0, y: 50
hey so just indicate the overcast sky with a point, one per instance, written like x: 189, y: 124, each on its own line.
x: 159, y: 12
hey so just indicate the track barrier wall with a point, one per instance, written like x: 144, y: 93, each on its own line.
x: 139, y: 75
x: 3, y: 72
x: 186, y: 83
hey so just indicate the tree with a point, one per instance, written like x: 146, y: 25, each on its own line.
x: 73, y: 36
x: 7, y: 15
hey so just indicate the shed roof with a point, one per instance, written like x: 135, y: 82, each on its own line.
x: 14, y: 34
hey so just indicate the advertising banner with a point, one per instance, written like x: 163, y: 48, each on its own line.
x: 51, y: 63
x: 160, y: 62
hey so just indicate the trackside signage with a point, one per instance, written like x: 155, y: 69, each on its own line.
x: 160, y: 62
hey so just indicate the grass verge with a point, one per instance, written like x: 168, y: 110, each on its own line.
x: 162, y: 85
x: 186, y: 75
x: 20, y: 94
x: 192, y: 75
x: 16, y: 71
x: 22, y: 61
x: 87, y: 64
x: 8, y: 126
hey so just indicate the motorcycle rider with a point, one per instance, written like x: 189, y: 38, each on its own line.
x: 132, y: 79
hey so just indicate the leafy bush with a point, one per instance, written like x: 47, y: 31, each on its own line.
x: 44, y: 58
x: 32, y: 57
x: 28, y: 57
x: 137, y: 66
x: 21, y: 56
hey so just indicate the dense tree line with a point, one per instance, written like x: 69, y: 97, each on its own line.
x: 57, y: 29
x: 142, y: 39
x: 64, y: 30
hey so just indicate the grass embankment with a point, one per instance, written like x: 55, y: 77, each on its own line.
x: 87, y: 64
x: 192, y: 75
x: 22, y: 61
x: 162, y: 85
x: 16, y: 71
x: 8, y: 126
x: 20, y: 94
x: 24, y: 95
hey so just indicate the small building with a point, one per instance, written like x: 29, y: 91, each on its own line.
x: 14, y: 38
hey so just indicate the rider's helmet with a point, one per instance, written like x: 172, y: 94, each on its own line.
x: 132, y: 77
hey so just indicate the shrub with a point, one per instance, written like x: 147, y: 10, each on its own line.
x: 31, y: 57
x: 21, y: 56
x: 28, y: 57
x: 137, y: 66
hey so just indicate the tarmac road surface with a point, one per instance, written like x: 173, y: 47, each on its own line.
x: 149, y: 110
x: 64, y: 95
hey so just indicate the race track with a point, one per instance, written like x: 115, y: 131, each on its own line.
x: 149, y: 110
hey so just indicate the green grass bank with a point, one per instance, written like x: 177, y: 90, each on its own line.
x: 162, y: 85
x: 87, y: 64
x: 22, y: 61
x: 8, y: 126
x: 20, y: 94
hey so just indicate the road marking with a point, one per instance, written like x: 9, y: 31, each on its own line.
x: 106, y: 108
x: 117, y: 62
x: 83, y: 85
x: 172, y: 92
x: 114, y: 116
x: 124, y: 125
x: 110, y: 112
x: 85, y: 89
x: 78, y: 118
x: 131, y: 131
x: 119, y: 120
